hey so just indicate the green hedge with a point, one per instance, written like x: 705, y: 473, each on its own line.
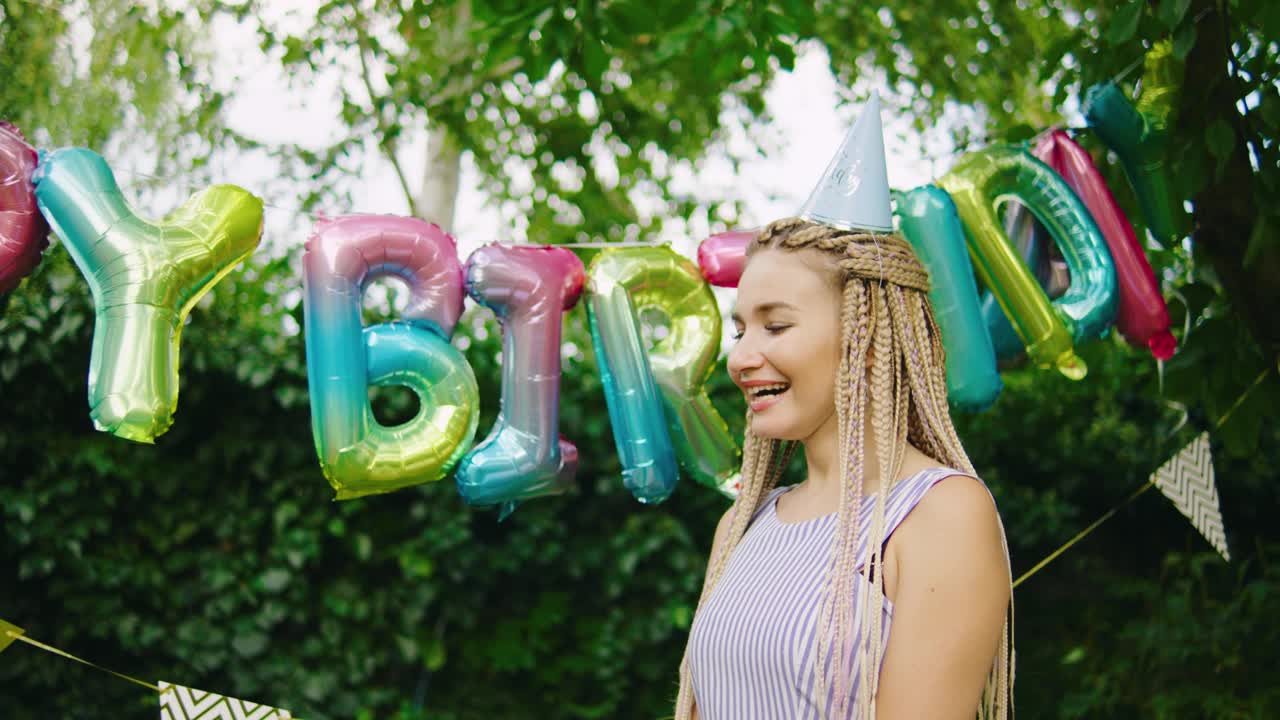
x: 217, y: 558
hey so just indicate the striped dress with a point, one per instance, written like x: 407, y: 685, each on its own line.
x: 750, y: 644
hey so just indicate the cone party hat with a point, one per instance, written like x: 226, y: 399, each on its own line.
x: 853, y: 193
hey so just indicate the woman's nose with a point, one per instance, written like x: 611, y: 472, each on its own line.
x: 742, y: 358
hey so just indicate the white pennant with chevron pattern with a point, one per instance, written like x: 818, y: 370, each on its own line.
x: 1187, y: 480
x: 184, y: 703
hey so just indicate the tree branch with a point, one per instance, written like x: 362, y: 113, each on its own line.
x: 384, y: 141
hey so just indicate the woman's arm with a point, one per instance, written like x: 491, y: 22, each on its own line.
x: 952, y: 591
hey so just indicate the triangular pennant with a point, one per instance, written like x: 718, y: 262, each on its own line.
x: 8, y: 633
x: 184, y: 703
x: 1187, y: 480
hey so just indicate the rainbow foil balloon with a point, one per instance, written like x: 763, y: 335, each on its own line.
x: 145, y: 278
x: 529, y: 289
x: 23, y: 232
x: 978, y: 183
x: 358, y: 455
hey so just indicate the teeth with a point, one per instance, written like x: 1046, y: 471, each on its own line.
x: 777, y: 386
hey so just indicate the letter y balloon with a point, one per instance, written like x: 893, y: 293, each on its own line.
x: 145, y: 278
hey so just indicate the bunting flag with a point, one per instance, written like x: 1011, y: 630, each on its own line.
x: 8, y: 633
x: 184, y: 703
x: 1187, y: 480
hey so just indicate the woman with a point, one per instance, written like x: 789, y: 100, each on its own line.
x: 837, y: 349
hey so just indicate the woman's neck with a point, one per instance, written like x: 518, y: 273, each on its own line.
x: 822, y: 457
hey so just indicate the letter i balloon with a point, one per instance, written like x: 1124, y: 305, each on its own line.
x: 529, y: 289
x: 930, y: 223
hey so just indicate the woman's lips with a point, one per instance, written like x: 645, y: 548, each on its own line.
x: 761, y: 404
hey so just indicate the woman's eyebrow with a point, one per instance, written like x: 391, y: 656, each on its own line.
x: 763, y: 308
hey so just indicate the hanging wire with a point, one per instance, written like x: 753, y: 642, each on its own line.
x: 1150, y: 483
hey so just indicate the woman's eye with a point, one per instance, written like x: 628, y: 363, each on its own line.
x: 772, y: 329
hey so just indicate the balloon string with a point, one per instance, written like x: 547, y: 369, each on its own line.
x: 1083, y: 533
x: 1145, y: 487
x: 49, y: 648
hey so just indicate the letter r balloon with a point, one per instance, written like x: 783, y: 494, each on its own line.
x: 528, y: 288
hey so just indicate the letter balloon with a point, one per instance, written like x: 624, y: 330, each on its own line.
x: 529, y: 289
x: 722, y: 257
x: 929, y: 221
x: 623, y: 283
x: 358, y: 455
x: 977, y: 184
x: 1139, y: 136
x: 145, y: 277
x: 24, y: 234
x: 1143, y: 317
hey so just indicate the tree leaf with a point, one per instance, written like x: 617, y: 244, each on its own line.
x: 1258, y: 238
x: 1124, y: 24
x: 1172, y: 11
x: 273, y: 581
x: 1220, y: 139
x: 250, y: 645
x: 1183, y: 40
x: 594, y: 59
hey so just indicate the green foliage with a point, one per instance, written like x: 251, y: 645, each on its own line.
x: 108, y: 71
x: 567, y: 109
x: 217, y: 559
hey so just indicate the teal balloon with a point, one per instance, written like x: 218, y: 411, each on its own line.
x: 145, y: 277
x: 929, y: 221
x: 1141, y: 142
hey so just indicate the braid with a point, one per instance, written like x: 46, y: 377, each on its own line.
x: 885, y: 311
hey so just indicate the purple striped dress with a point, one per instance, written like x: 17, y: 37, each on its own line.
x: 750, y: 644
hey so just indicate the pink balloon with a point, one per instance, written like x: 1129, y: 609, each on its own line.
x: 1142, y: 316
x: 24, y: 234
x: 722, y: 257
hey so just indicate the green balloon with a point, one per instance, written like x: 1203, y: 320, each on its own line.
x: 977, y: 183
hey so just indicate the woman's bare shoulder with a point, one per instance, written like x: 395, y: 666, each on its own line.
x: 956, y: 519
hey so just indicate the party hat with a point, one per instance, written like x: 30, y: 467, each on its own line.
x: 853, y: 193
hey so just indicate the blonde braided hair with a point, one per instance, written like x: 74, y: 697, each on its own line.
x: 886, y: 312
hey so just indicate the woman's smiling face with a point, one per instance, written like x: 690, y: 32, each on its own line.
x: 787, y: 353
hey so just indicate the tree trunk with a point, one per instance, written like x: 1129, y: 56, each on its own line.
x: 1226, y: 207
x: 439, y: 193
